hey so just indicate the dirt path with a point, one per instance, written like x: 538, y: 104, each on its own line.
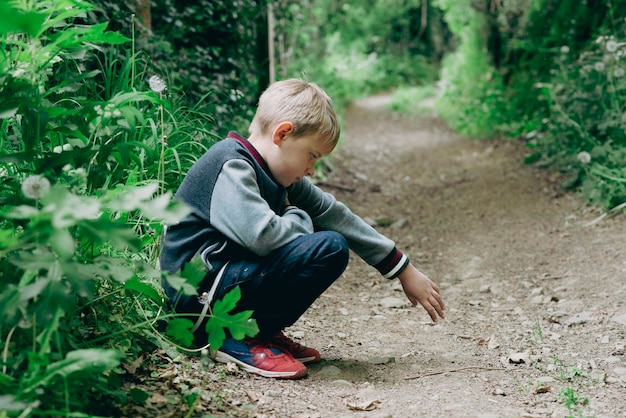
x: 536, y: 317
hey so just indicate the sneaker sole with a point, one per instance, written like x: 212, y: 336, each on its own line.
x: 226, y: 358
x: 308, y: 360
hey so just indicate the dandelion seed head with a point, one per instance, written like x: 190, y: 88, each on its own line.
x: 611, y: 46
x: 564, y: 49
x: 157, y: 84
x: 35, y: 187
x: 584, y: 157
x: 599, y: 66
x: 618, y: 72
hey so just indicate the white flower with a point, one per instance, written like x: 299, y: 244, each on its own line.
x: 564, y: 49
x: 599, y: 66
x: 618, y: 72
x: 34, y: 187
x: 157, y: 84
x: 59, y: 149
x: 611, y: 46
x: 584, y: 157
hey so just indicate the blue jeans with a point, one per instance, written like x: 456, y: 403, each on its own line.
x: 280, y: 287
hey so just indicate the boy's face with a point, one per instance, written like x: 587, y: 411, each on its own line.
x: 295, y: 158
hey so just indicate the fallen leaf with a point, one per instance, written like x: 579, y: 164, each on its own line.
x: 132, y: 367
x: 543, y: 389
x: 253, y: 396
x: 364, y: 406
x: 157, y: 398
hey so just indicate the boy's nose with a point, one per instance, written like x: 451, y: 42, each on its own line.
x: 310, y: 170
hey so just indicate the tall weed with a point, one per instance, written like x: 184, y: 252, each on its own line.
x: 89, y: 155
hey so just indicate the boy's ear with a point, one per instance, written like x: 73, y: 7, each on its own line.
x: 281, y: 131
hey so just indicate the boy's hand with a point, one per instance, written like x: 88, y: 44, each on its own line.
x: 419, y: 288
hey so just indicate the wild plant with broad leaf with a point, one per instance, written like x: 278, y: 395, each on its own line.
x: 89, y: 155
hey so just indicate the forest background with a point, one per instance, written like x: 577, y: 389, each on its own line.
x: 105, y: 105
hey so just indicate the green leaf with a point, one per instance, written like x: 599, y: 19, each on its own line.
x: 164, y: 208
x: 143, y: 288
x: 93, y: 360
x: 239, y: 325
x: 10, y: 311
x: 180, y: 284
x: 139, y: 396
x: 67, y: 208
x: 194, y: 271
x: 12, y: 20
x: 106, y: 267
x: 21, y: 212
x: 179, y: 329
x: 62, y: 242
x: 128, y: 198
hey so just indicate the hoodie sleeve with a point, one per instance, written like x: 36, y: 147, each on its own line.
x: 239, y: 212
x: 329, y: 214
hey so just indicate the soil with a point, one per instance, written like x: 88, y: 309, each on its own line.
x: 536, y: 311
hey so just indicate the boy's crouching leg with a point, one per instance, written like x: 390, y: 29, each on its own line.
x: 281, y: 287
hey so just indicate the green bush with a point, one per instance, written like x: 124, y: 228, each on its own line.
x: 90, y: 150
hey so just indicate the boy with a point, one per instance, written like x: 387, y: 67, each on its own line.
x: 259, y: 223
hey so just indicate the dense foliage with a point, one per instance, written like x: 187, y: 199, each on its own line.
x: 90, y: 149
x: 550, y: 71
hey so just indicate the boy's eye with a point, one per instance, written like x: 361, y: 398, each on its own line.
x: 312, y: 156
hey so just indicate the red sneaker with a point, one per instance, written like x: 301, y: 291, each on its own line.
x: 298, y: 351
x: 260, y: 358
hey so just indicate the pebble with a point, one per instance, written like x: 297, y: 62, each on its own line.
x: 620, y: 371
x: 580, y: 318
x: 400, y: 223
x: 519, y: 358
x: 392, y: 302
x: 381, y: 360
x: 620, y: 319
x: 544, y: 380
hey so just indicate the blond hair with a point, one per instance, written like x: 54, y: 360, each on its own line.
x: 304, y: 104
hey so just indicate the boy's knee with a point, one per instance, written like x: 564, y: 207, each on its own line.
x: 334, y: 245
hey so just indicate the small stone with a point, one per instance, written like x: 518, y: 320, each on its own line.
x: 392, y: 302
x: 620, y: 319
x: 604, y: 339
x: 620, y: 371
x: 498, y: 391
x: 598, y: 376
x: 580, y: 318
x: 537, y: 300
x: 544, y: 380
x: 381, y: 360
x: 485, y: 289
x: 298, y: 334
x: 519, y: 358
x: 400, y: 223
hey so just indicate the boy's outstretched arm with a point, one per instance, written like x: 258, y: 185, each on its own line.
x: 419, y: 288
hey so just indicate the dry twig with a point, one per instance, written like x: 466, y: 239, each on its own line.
x: 454, y: 370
